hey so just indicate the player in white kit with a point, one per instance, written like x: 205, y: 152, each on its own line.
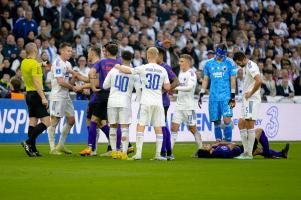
x: 60, y: 101
x: 154, y: 79
x: 185, y: 105
x: 250, y: 104
x: 119, y: 104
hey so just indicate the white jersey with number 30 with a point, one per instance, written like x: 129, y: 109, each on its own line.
x: 250, y: 71
x: 59, y: 68
x: 152, y: 76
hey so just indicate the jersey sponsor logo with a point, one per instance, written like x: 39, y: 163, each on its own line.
x: 218, y: 74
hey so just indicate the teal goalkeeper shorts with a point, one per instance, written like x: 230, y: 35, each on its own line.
x: 219, y: 109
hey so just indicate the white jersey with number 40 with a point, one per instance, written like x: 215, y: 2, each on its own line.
x: 152, y: 76
x: 59, y: 68
x: 250, y: 71
x: 121, y: 87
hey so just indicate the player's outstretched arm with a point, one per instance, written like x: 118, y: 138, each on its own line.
x: 123, y: 69
x: 174, y: 83
x: 64, y: 84
x: 166, y: 86
x: 93, y: 80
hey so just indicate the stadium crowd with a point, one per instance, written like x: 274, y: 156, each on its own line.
x: 268, y: 31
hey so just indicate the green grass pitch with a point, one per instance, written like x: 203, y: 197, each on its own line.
x: 74, y: 177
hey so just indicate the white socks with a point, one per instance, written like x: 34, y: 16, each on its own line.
x: 244, y: 139
x: 174, y: 136
x: 125, y: 139
x: 65, y: 131
x: 113, y: 138
x: 51, y: 137
x: 251, y: 139
x: 198, y: 139
x: 139, y: 143
x: 247, y: 139
x: 159, y: 141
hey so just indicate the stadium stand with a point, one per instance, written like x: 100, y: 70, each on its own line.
x: 268, y: 31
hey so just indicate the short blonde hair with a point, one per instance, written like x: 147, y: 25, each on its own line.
x: 30, y: 47
x: 152, y: 52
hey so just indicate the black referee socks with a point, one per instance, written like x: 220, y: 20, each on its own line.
x: 35, y: 133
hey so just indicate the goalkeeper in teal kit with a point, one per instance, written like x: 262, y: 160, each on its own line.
x: 221, y: 72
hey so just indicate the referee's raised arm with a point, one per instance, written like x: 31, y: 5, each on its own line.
x: 35, y: 99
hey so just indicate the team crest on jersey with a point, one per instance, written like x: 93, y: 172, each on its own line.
x: 224, y: 68
x: 57, y: 71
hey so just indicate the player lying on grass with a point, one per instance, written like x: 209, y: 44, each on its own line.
x: 232, y: 150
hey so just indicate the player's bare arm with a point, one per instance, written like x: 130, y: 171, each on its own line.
x: 123, y: 69
x: 256, y: 87
x: 174, y: 83
x: 93, y: 80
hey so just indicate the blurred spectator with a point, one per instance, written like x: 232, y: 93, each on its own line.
x: 210, y: 54
x: 124, y: 45
x: 17, y: 62
x: 137, y: 60
x: 15, y: 91
x: 46, y: 48
x: 268, y: 84
x: 67, y: 33
x: 83, y: 69
x: 297, y: 84
x: 87, y: 18
x: 189, y: 49
x: 5, y: 68
x: 25, y: 25
x: 58, y: 14
x: 10, y: 49
x: 41, y: 12
x: 80, y: 50
x: 4, y: 82
x: 268, y: 31
x: 284, y: 89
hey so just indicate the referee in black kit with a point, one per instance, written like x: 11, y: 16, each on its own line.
x: 35, y: 99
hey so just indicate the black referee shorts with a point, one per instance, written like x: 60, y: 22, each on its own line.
x: 99, y: 107
x: 35, y: 107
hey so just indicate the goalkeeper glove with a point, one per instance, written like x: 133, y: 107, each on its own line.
x: 232, y: 102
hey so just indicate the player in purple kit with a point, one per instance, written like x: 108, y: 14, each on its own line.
x: 100, y: 97
x: 166, y: 149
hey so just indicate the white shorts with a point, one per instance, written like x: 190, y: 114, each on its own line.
x: 184, y: 116
x: 151, y: 115
x: 250, y: 109
x: 61, y: 108
x: 119, y: 115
